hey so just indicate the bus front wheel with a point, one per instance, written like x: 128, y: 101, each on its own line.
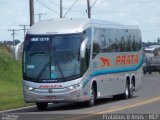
x: 91, y: 102
x: 42, y: 106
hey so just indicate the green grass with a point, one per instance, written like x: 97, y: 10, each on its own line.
x: 11, y: 94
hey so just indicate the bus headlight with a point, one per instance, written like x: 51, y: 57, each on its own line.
x: 29, y: 88
x: 76, y: 86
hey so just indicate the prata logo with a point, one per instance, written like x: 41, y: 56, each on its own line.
x: 50, y: 86
x: 105, y: 61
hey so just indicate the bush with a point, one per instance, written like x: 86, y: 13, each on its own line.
x: 10, y: 80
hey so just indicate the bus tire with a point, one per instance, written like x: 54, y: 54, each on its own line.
x: 129, y: 88
x: 150, y: 72
x: 91, y: 102
x: 42, y: 106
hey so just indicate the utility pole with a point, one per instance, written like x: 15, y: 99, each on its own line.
x: 40, y: 15
x: 31, y: 4
x: 88, y: 9
x: 13, y: 34
x: 61, y: 9
x: 24, y: 29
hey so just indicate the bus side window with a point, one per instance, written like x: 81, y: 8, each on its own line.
x: 85, y: 61
x: 96, y: 49
x: 96, y: 42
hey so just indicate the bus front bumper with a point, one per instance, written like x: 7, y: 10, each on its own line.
x: 54, y: 95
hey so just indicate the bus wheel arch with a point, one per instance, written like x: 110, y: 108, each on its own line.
x: 94, y: 84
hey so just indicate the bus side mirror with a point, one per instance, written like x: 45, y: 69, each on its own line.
x: 83, y: 48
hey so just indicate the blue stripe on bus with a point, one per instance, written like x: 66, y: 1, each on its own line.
x: 115, y: 70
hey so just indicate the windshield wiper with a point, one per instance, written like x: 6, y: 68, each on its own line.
x: 60, y: 69
x: 40, y: 73
x: 37, y: 53
x: 72, y: 76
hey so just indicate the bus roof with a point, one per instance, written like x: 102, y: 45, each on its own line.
x: 73, y: 25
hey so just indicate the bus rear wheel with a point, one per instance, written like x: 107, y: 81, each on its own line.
x: 42, y: 106
x: 129, y: 88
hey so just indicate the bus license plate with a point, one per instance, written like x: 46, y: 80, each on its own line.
x: 50, y: 97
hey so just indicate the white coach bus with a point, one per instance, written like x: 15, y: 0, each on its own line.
x: 80, y: 60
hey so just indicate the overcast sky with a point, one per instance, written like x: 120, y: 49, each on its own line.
x: 144, y: 13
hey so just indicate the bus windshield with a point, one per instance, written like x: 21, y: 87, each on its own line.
x: 52, y: 58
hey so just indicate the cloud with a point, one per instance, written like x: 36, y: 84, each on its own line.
x: 144, y: 13
x: 14, y: 13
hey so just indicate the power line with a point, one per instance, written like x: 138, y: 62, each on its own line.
x: 40, y: 15
x: 61, y: 9
x: 31, y: 9
x: 47, y: 7
x: 13, y: 34
x: 56, y: 4
x: 94, y: 3
x: 88, y: 9
x: 24, y: 29
x: 70, y: 8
